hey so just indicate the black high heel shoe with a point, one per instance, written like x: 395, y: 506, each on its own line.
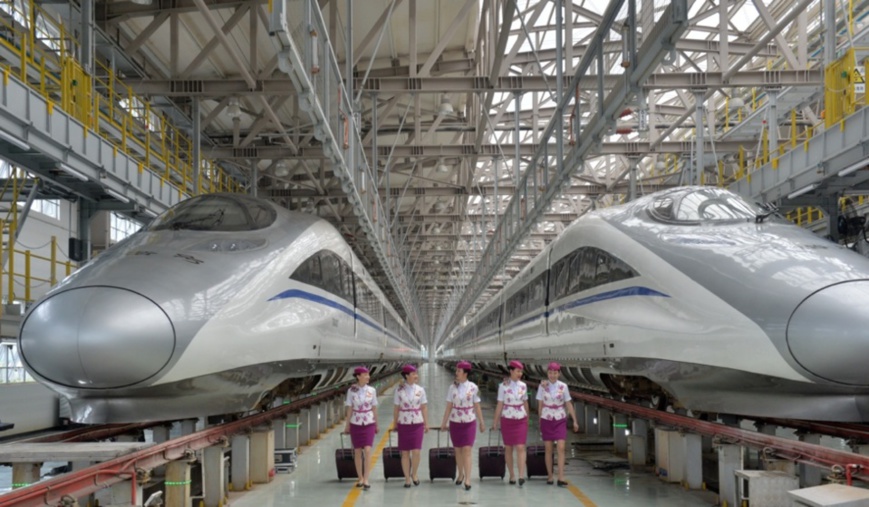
x: 459, y: 481
x: 512, y: 482
x: 467, y: 487
x: 416, y: 482
x: 521, y: 482
x: 562, y: 484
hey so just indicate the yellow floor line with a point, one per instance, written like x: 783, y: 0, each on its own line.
x: 586, y: 501
x: 354, y: 493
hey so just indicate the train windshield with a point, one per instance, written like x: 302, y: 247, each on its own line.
x: 217, y: 212
x: 702, y: 205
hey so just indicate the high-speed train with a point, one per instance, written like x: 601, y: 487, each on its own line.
x: 691, y: 295
x: 220, y: 304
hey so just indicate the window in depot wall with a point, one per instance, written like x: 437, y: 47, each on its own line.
x: 121, y: 227
x: 48, y: 207
x: 11, y: 367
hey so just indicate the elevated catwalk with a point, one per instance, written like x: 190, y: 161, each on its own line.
x: 315, y: 481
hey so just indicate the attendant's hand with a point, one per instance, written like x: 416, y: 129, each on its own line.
x: 495, y: 426
x: 482, y: 427
x: 347, y: 428
x: 425, y: 428
x: 575, y: 427
x: 444, y: 427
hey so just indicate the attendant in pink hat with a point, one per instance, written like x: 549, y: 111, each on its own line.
x: 463, y: 401
x: 553, y: 405
x: 361, y: 423
x: 410, y: 419
x: 511, y: 414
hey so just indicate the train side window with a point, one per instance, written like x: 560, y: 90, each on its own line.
x: 316, y: 277
x: 587, y: 268
x: 331, y: 272
x: 662, y: 208
x: 560, y: 281
x: 619, y: 270
x: 576, y: 271
x: 303, y: 272
x: 602, y: 271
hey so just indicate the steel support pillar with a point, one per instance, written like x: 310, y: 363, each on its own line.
x: 579, y: 410
x: 604, y: 423
x: 188, y: 427
x: 25, y: 474
x: 86, y: 58
x: 294, y: 431
x: 638, y: 443
x: 730, y: 459
x: 279, y: 427
x: 809, y: 475
x: 262, y: 456
x: 196, y: 141
x: 306, y: 428
x: 772, y: 123
x: 320, y: 411
x: 213, y: 486
x: 692, y: 448
x: 240, y: 462
x: 699, y: 97
x: 177, y: 484
x: 121, y: 493
x: 620, y: 434
x: 590, y: 419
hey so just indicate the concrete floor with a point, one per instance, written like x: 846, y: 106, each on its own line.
x: 315, y: 483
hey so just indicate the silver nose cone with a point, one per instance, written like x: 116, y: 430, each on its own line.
x: 828, y: 333
x: 97, y: 337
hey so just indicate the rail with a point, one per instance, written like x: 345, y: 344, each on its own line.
x: 132, y: 466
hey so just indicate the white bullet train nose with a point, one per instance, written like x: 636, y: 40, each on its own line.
x: 828, y: 333
x: 97, y: 337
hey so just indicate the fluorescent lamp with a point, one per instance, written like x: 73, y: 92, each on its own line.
x: 852, y: 169
x: 147, y: 212
x: 116, y: 195
x: 14, y: 140
x: 72, y: 172
x: 804, y: 190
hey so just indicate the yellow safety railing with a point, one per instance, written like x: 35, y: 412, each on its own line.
x: 44, y: 58
x: 841, y: 97
x: 805, y: 216
x: 11, y: 278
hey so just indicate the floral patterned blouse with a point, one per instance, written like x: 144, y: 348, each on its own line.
x: 463, y: 396
x: 362, y: 400
x: 409, y: 399
x: 554, y: 396
x: 513, y: 394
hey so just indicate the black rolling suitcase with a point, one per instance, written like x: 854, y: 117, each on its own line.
x: 344, y: 462
x: 492, y: 462
x: 535, y: 461
x: 442, y: 460
x: 392, y: 461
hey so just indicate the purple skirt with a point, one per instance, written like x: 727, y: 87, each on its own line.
x: 362, y: 435
x: 463, y: 434
x: 514, y: 431
x: 553, y: 431
x: 410, y: 436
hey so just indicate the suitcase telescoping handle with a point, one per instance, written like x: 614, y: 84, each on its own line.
x: 439, y: 430
x: 490, y: 438
x: 342, y: 439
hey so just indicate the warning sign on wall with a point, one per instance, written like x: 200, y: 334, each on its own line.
x: 859, y: 79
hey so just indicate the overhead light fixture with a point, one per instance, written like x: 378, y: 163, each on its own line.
x: 117, y: 195
x: 147, y: 212
x: 72, y: 172
x: 282, y: 170
x: 142, y: 2
x: 852, y: 169
x: 804, y: 190
x: 233, y: 110
x: 442, y: 167
x: 14, y: 141
x: 446, y: 106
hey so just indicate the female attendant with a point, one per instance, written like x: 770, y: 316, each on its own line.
x: 511, y: 414
x: 553, y: 398
x: 361, y: 423
x: 410, y: 419
x: 463, y: 401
